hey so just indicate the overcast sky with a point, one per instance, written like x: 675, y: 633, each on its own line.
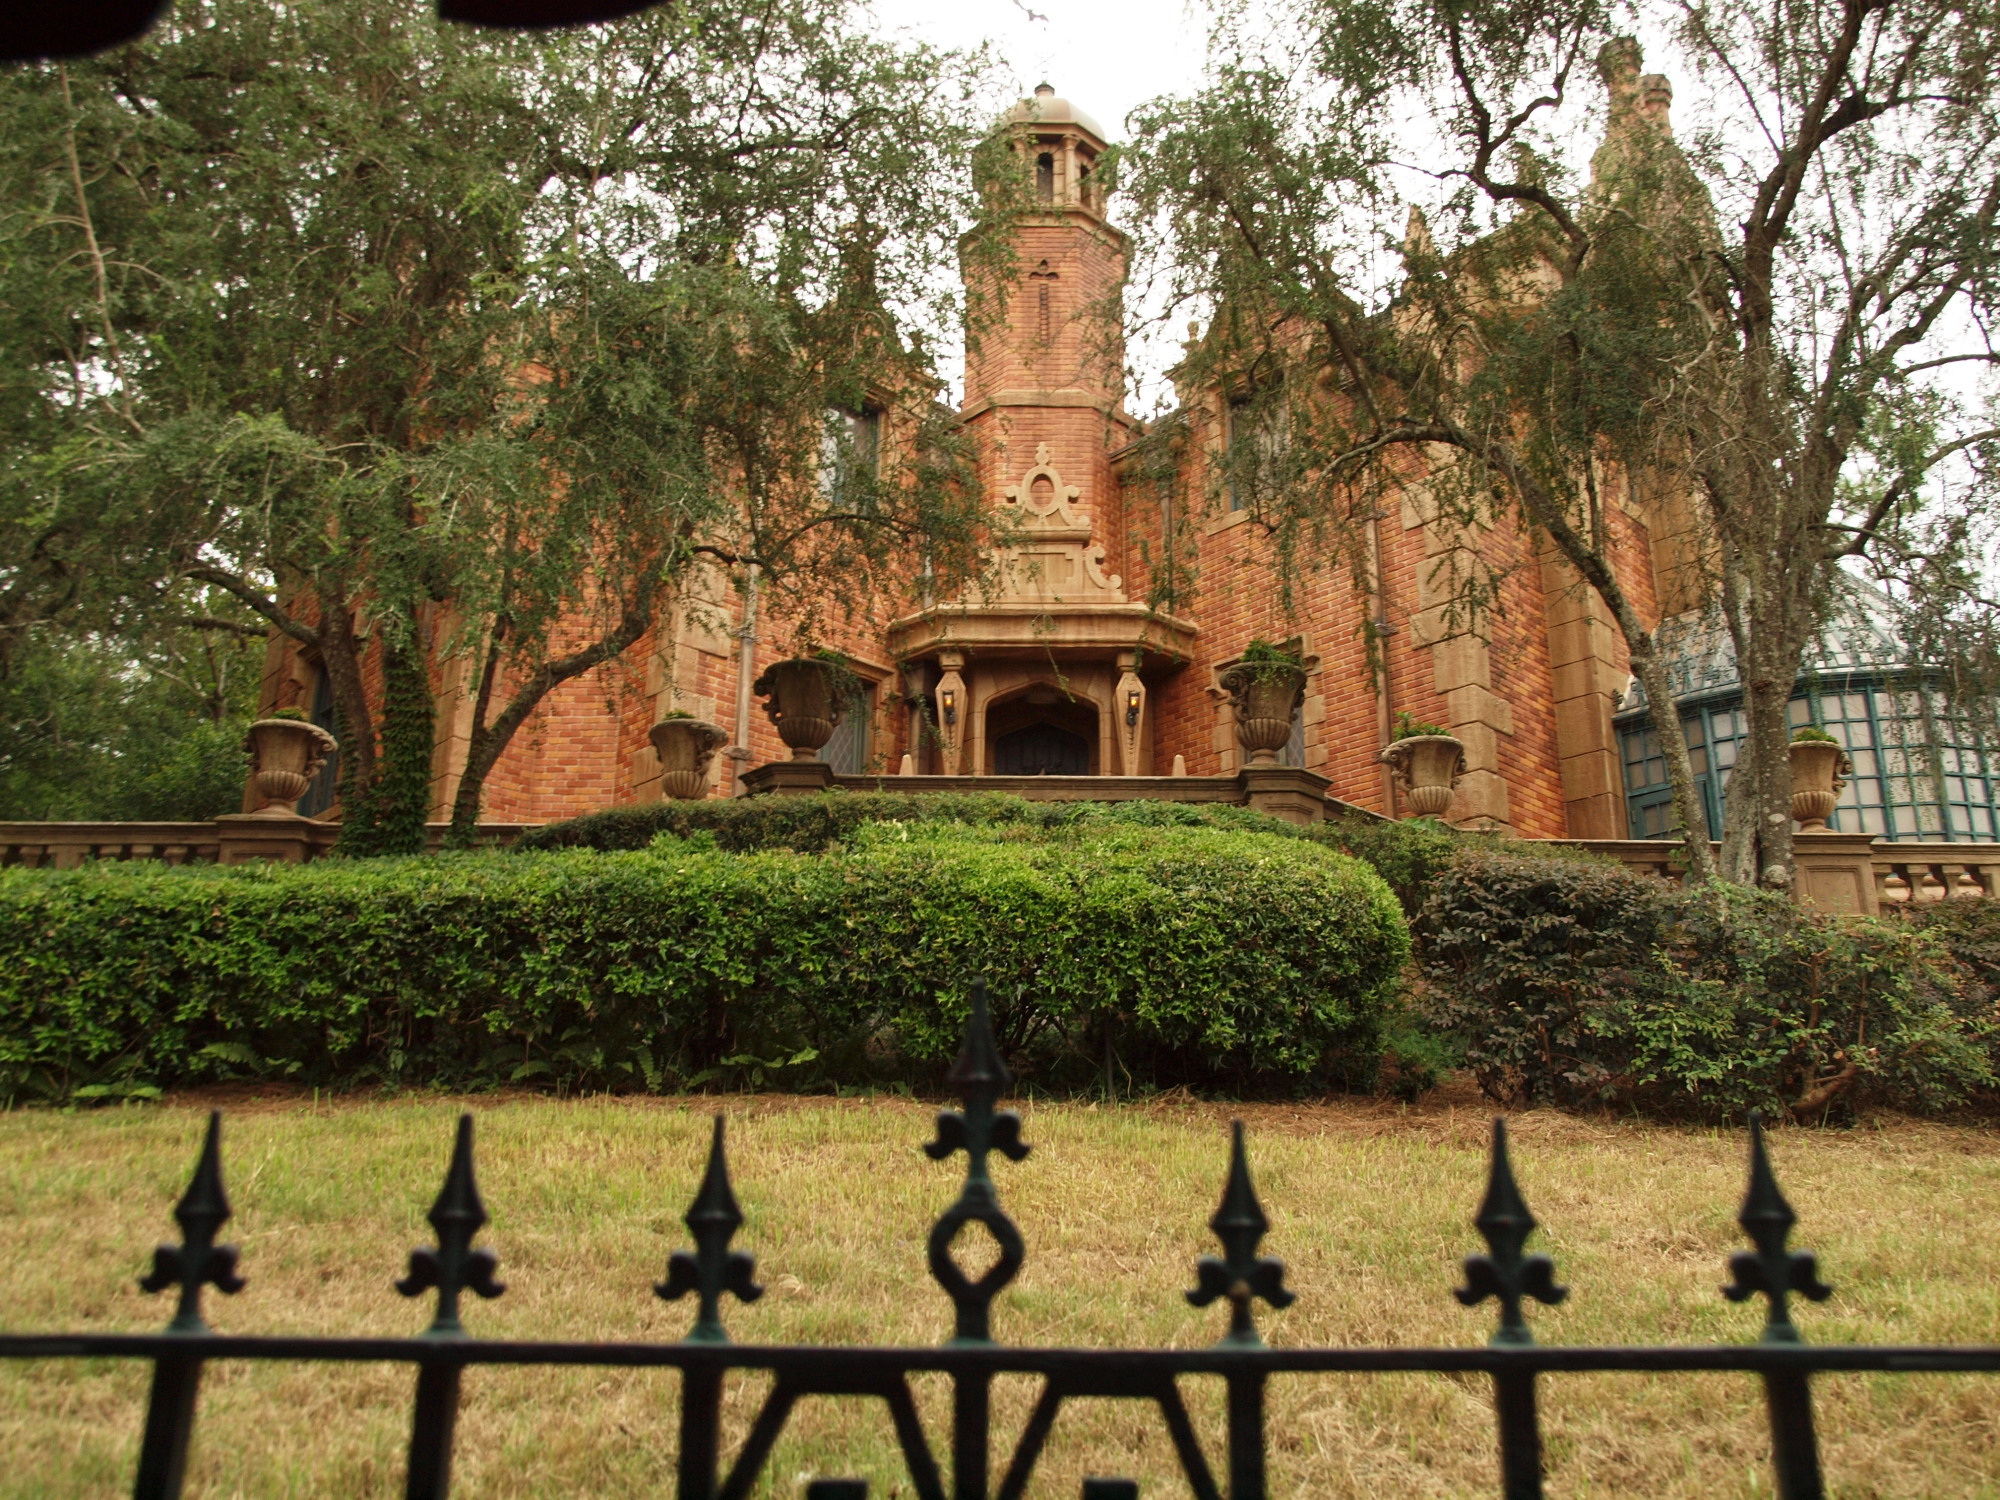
x: 1104, y: 56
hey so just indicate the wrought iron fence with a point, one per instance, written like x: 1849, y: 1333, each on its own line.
x: 1240, y: 1276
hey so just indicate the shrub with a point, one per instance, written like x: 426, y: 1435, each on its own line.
x: 1409, y: 854
x: 1575, y: 983
x: 1199, y: 956
x: 810, y: 825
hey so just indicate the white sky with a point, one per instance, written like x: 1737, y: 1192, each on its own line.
x: 1104, y: 56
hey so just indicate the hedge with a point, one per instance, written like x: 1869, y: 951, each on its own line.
x: 1575, y: 984
x: 1200, y: 956
x: 1407, y: 854
x: 809, y: 825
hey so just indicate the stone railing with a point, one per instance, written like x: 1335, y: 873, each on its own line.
x: 232, y: 840
x: 1848, y: 871
x: 1837, y: 871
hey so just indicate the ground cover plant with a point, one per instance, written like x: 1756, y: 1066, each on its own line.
x: 1369, y: 1205
x: 1587, y: 985
x: 1119, y: 953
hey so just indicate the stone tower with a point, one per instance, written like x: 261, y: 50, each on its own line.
x: 1049, y: 671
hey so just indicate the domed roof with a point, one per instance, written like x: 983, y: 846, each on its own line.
x: 1856, y: 637
x: 1046, y: 109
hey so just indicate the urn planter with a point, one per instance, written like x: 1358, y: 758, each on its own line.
x: 1819, y: 772
x: 1427, y: 767
x: 1266, y: 697
x: 285, y: 755
x: 805, y: 702
x: 686, y: 748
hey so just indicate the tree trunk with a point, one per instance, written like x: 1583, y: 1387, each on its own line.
x: 489, y: 742
x: 1666, y: 718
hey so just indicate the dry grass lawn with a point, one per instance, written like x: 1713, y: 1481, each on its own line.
x: 1369, y: 1206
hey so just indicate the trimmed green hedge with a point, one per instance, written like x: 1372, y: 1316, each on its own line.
x: 809, y: 825
x: 1203, y: 956
x: 1579, y: 984
x: 1407, y: 854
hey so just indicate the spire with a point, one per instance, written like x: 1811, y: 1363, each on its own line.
x: 1241, y: 1274
x: 1504, y: 1272
x: 198, y: 1260
x: 453, y: 1266
x: 713, y: 1219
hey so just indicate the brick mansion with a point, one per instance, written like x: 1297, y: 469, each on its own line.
x: 1069, y: 666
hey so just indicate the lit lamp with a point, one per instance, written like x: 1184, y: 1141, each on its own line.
x: 950, y: 699
x: 1131, y: 708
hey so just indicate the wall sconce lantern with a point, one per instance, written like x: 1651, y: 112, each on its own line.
x: 1131, y: 708
x: 950, y: 699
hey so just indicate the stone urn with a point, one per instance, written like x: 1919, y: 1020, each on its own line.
x: 285, y: 755
x: 1266, y: 697
x: 805, y: 702
x: 1427, y: 768
x: 1819, y: 772
x: 686, y: 748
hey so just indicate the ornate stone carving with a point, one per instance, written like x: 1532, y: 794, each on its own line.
x: 1053, y: 559
x: 1427, y: 768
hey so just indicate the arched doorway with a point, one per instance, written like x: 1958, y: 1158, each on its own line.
x: 1041, y: 750
x: 1042, y: 731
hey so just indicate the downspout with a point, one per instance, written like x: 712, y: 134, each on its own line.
x: 1382, y: 630
x: 746, y: 673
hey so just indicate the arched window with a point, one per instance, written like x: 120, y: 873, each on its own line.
x: 1045, y: 176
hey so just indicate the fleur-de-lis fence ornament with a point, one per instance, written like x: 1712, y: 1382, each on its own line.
x: 198, y: 1261
x: 454, y: 1267
x: 1504, y: 1272
x: 1771, y: 1269
x: 713, y: 1219
x: 979, y: 1078
x: 1241, y: 1275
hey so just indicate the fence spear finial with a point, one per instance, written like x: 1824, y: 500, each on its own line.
x: 1241, y: 1274
x: 1771, y: 1269
x: 453, y: 1266
x: 979, y: 1078
x: 1504, y: 1272
x: 198, y: 1260
x: 713, y: 1219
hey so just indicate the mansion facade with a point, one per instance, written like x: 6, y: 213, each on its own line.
x: 1068, y: 664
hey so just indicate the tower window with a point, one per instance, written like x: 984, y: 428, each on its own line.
x: 1045, y: 176
x: 1259, y: 437
x: 849, y: 450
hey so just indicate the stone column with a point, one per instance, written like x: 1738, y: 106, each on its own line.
x: 953, y: 708
x: 1131, y: 724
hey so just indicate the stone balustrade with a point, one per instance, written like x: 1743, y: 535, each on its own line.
x: 233, y: 840
x: 1836, y: 871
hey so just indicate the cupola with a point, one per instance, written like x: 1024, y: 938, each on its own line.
x: 1060, y: 145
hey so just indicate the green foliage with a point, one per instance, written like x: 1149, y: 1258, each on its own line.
x: 1582, y: 984
x: 1812, y: 734
x: 1410, y: 853
x: 809, y: 825
x: 1409, y: 728
x: 88, y: 732
x: 437, y: 340
x: 1188, y: 955
x: 1270, y: 660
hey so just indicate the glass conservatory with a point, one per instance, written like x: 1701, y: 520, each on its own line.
x: 1921, y: 770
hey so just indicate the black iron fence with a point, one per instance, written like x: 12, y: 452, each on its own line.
x: 1240, y: 1276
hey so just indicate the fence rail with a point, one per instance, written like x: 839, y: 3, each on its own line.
x: 1240, y: 1277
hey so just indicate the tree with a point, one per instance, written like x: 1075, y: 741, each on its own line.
x: 416, y: 340
x: 1754, y: 325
